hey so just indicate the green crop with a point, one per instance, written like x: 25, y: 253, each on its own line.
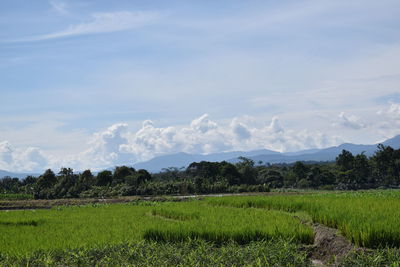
x: 25, y: 231
x: 368, y: 219
x: 275, y: 252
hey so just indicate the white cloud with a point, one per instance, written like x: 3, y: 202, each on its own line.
x: 240, y: 130
x: 6, y: 157
x: 116, y: 145
x: 101, y: 23
x: 393, y: 111
x: 28, y: 159
x: 106, y: 149
x: 59, y: 6
x: 389, y: 123
x: 203, y: 124
x: 349, y: 121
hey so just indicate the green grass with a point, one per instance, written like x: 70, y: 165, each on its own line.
x: 379, y: 257
x: 368, y: 219
x: 237, y: 230
x: 92, y: 225
x: 150, y: 253
x: 221, y: 224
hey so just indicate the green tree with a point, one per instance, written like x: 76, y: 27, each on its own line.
x: 229, y: 172
x: 104, y: 178
x: 86, y: 180
x: 300, y: 170
x: 247, y: 170
x: 120, y: 173
x: 66, y: 185
x: 345, y: 160
x: 47, y: 179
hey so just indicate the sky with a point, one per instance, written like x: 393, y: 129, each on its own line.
x: 94, y: 84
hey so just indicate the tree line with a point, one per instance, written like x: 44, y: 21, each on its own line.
x: 347, y: 172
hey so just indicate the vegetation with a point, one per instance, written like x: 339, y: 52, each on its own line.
x: 15, y: 196
x: 368, y: 219
x: 379, y: 257
x: 150, y: 253
x: 92, y: 225
x: 234, y: 230
x: 348, y: 172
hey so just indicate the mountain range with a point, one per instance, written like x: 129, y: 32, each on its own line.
x: 266, y: 156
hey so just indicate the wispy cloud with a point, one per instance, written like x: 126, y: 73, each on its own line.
x: 100, y: 23
x: 59, y: 6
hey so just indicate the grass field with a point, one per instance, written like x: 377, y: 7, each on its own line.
x: 151, y: 253
x: 368, y: 219
x: 254, y: 228
x: 91, y: 225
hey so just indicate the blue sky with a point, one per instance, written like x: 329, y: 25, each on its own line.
x: 99, y: 83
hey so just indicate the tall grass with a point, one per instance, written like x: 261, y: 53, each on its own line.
x: 275, y: 252
x: 221, y: 224
x: 94, y: 225
x: 368, y: 219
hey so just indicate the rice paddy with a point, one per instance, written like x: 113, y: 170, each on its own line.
x: 368, y: 219
x: 91, y: 225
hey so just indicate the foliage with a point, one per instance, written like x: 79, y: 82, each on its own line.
x: 348, y: 172
x: 150, y: 253
x: 15, y: 196
x: 95, y: 225
x: 379, y: 257
x: 368, y: 219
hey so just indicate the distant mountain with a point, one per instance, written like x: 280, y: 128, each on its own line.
x: 327, y: 154
x: 15, y: 175
x: 393, y: 142
x: 184, y: 159
x: 267, y: 156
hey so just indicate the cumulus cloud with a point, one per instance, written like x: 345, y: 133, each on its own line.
x: 240, y: 130
x: 393, y: 112
x: 22, y: 159
x: 389, y: 120
x: 106, y: 149
x: 349, y: 121
x: 6, y: 157
x: 117, y: 145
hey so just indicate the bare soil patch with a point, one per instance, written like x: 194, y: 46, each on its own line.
x: 330, y: 247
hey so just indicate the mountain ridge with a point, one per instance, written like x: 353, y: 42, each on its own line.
x: 325, y: 154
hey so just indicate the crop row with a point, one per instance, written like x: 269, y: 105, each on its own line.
x: 368, y: 219
x: 26, y: 231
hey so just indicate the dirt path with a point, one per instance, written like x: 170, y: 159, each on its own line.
x: 329, y: 246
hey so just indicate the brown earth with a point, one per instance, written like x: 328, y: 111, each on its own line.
x: 330, y: 247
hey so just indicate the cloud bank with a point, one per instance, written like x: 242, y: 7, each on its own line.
x: 118, y: 145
